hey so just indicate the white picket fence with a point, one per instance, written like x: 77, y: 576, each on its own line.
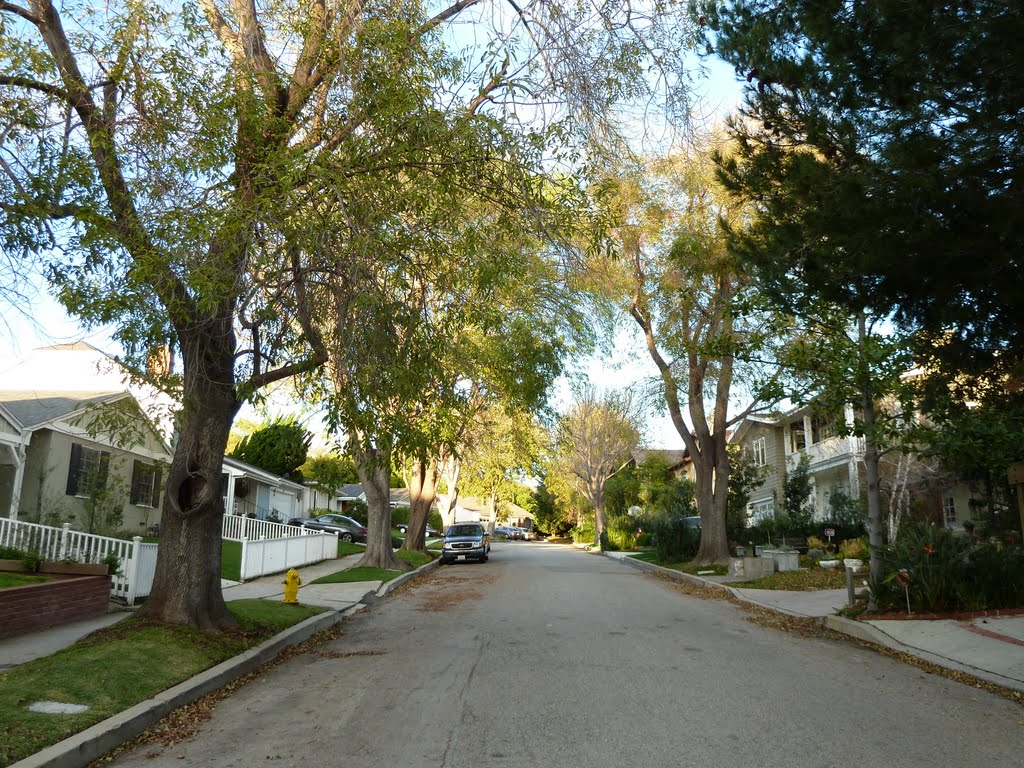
x: 266, y: 548
x: 265, y: 556
x: 137, y: 560
x: 238, y: 527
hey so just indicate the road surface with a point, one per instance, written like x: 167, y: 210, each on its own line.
x: 547, y: 656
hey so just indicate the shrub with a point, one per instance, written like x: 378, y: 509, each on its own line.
x: 644, y: 539
x: 675, y: 541
x: 621, y: 532
x: 583, y: 533
x: 856, y: 549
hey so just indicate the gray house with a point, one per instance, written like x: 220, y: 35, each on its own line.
x: 91, y: 458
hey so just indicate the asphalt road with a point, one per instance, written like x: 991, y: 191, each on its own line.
x: 546, y: 656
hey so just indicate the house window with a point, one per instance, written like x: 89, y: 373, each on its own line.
x: 762, y: 510
x: 87, y: 472
x: 145, y: 484
x: 822, y: 428
x: 797, y: 437
x: 759, y: 448
x: 949, y: 511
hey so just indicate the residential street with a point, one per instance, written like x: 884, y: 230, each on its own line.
x: 547, y: 656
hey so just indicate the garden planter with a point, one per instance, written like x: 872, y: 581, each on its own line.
x: 853, y: 564
x: 751, y: 567
x: 829, y: 565
x: 786, y: 561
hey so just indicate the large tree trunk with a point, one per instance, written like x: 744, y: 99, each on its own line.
x: 448, y: 502
x: 712, y: 495
x: 186, y: 587
x: 373, y: 469
x: 421, y: 481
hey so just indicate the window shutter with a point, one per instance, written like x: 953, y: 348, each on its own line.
x: 157, y: 472
x: 74, y: 469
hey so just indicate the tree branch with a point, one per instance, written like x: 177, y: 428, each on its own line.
x: 17, y: 10
x: 35, y: 85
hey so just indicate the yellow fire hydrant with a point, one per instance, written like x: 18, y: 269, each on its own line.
x: 291, y: 582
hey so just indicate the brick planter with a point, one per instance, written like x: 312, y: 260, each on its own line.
x: 49, y: 604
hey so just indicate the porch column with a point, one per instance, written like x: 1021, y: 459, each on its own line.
x: 19, y: 477
x: 229, y: 501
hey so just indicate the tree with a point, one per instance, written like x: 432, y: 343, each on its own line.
x: 744, y: 476
x: 705, y: 325
x: 279, y: 446
x: 197, y: 171
x: 882, y: 143
x: 796, y: 492
x: 330, y: 471
x: 595, y: 440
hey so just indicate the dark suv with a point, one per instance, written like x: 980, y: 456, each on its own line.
x: 468, y: 540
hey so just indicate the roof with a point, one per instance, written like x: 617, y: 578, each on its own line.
x: 75, y: 346
x: 248, y: 470
x: 33, y: 408
x: 400, y: 497
x: 350, y: 491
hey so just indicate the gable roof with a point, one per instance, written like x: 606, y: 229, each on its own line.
x: 248, y: 470
x: 34, y: 408
x: 673, y: 458
x: 350, y: 491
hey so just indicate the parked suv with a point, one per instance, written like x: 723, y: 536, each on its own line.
x: 468, y: 540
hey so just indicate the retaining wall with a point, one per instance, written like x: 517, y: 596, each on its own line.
x: 48, y: 604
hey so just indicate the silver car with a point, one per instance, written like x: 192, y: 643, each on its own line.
x: 467, y: 540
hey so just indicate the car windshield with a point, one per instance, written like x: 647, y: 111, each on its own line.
x: 465, y: 530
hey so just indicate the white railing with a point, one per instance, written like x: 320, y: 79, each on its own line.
x: 137, y: 561
x: 238, y: 527
x: 266, y: 556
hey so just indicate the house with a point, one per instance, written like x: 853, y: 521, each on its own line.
x: 91, y: 458
x: 81, y: 366
x: 836, y: 465
x: 254, y: 492
x: 677, y: 462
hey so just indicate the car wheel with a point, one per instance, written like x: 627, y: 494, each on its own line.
x: 483, y: 559
x: 402, y: 529
x: 445, y: 561
x: 347, y: 537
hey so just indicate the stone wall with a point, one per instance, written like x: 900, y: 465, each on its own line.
x: 38, y: 606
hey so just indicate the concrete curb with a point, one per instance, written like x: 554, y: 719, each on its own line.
x: 97, y: 740
x: 872, y: 634
x: 640, y: 565
x: 398, y: 581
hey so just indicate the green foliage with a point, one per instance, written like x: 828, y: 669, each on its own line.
x: 948, y: 574
x: 744, y: 476
x: 855, y: 548
x: 546, y: 517
x: 585, y: 532
x: 845, y: 515
x: 620, y: 532
x: 846, y: 98
x: 330, y: 470
x: 358, y: 511
x: 280, y: 447
x: 674, y: 540
x: 797, y: 502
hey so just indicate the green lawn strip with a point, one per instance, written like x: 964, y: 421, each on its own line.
x: 231, y: 560
x: 346, y: 548
x: 797, y: 581
x: 117, y: 667
x: 10, y: 579
x: 415, y: 558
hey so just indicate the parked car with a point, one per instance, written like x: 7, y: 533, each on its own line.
x: 431, y: 530
x: 529, y: 534
x: 505, y: 531
x: 468, y: 540
x: 346, y: 528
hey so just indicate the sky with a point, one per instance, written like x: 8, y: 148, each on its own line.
x: 42, y: 321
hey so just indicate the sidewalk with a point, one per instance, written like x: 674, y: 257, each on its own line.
x: 990, y: 648
x: 338, y: 597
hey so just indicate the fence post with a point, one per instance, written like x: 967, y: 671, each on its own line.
x: 131, y: 570
x: 241, y: 565
x: 62, y: 544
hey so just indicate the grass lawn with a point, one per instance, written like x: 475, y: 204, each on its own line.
x: 231, y: 560
x: 652, y: 557
x: 12, y: 579
x: 797, y: 581
x: 346, y: 548
x: 117, y: 667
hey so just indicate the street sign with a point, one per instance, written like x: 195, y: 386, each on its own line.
x: 830, y: 532
x: 903, y: 577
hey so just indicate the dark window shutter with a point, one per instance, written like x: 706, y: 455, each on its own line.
x: 74, y: 469
x: 104, y: 470
x: 157, y: 472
